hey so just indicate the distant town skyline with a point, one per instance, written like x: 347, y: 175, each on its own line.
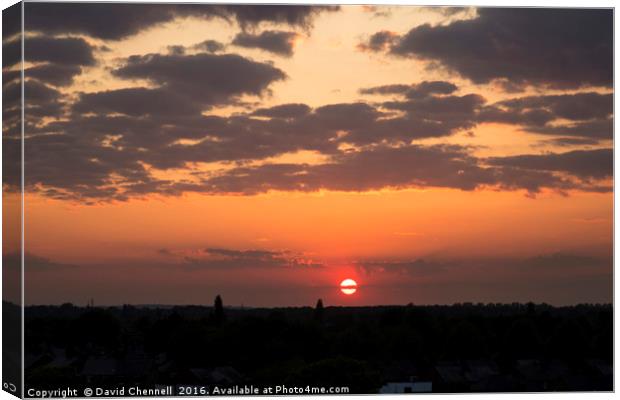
x: 266, y: 153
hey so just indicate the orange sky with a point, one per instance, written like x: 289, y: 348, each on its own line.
x: 334, y: 228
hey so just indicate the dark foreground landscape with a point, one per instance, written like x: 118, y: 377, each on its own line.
x: 458, y: 348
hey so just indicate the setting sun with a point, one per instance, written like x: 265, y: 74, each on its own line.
x: 348, y: 286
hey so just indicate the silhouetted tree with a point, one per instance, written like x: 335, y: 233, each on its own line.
x: 319, y: 311
x: 219, y: 316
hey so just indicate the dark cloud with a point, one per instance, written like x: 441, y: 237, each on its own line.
x: 11, y: 115
x: 425, y: 117
x: 293, y: 15
x: 440, y: 107
x: 289, y: 128
x: 41, y: 101
x: 241, y: 253
x: 176, y: 50
x: 378, y: 11
x: 284, y: 111
x: 571, y: 141
x: 220, y: 258
x: 347, y: 116
x: 64, y: 51
x: 562, y: 48
x: 152, y: 131
x: 12, y: 94
x: 446, y: 11
x: 599, y: 129
x: 419, y: 90
x: 187, y: 84
x: 585, y: 164
x: 100, y: 20
x: 211, y: 46
x: 206, y: 46
x: 277, y: 42
x: 280, y: 129
x: 117, y: 21
x: 576, y: 107
x: 38, y: 93
x: 62, y: 58
x: 103, y: 150
x: 54, y: 74
x: 588, y: 115
x: 80, y: 157
x: 362, y: 124
x: 11, y: 162
x: 399, y: 89
x: 136, y: 102
x: 11, y: 21
x: 379, y: 41
x: 206, y: 78
x: 11, y: 52
x: 10, y: 77
x: 85, y: 172
x: 77, y: 166
x: 398, y: 168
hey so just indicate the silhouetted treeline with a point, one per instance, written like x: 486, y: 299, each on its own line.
x: 463, y: 347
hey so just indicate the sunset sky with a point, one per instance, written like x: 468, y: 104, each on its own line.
x: 266, y: 153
